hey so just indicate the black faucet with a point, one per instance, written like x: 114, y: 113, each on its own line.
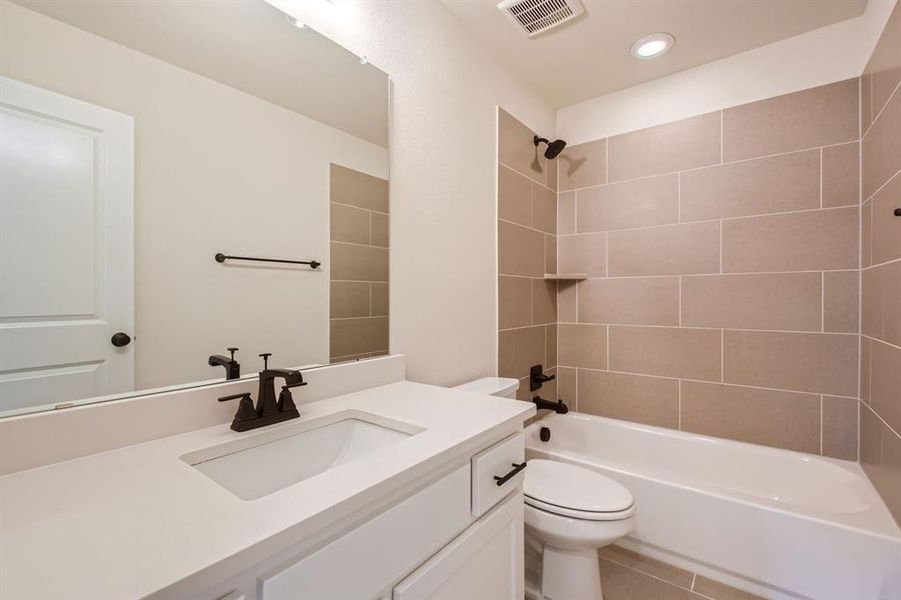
x: 268, y: 410
x: 232, y: 367
x: 558, y: 406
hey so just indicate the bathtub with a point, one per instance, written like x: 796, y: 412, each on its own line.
x: 781, y: 524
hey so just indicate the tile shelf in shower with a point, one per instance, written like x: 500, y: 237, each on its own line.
x: 566, y: 276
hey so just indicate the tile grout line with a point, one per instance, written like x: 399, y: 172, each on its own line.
x: 509, y: 168
x: 821, y: 424
x: 712, y: 328
x: 823, y: 302
x: 881, y: 110
x: 821, y: 178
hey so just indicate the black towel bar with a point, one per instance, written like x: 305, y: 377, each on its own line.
x: 221, y: 258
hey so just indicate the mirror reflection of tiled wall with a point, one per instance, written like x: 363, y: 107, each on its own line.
x: 359, y: 265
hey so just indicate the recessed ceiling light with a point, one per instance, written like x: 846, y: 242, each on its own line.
x: 296, y: 22
x: 652, y: 45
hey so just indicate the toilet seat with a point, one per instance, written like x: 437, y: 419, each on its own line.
x: 576, y: 492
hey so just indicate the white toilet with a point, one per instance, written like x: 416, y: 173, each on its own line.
x: 570, y: 512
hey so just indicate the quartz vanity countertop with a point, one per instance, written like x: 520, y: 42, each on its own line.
x: 140, y: 521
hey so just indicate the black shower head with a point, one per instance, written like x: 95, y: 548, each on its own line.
x: 553, y: 148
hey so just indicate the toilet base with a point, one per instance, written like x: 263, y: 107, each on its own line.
x: 570, y: 574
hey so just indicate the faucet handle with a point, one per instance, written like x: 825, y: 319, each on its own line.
x: 265, y: 356
x: 232, y: 350
x: 246, y: 411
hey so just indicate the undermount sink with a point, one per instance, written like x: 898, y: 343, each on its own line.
x: 256, y: 466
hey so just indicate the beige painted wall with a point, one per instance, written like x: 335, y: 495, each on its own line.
x: 216, y: 170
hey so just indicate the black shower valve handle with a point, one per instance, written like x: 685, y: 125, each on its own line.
x: 898, y: 212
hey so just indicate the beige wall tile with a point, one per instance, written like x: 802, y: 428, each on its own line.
x: 583, y: 253
x: 519, y: 349
x: 824, y: 363
x: 881, y: 147
x: 890, y: 487
x: 550, y: 254
x: 683, y: 144
x: 840, y: 427
x: 356, y: 336
x: 671, y: 352
x: 872, y: 287
x: 630, y: 301
x: 788, y: 301
x: 544, y: 301
x: 378, y: 227
x: 871, y: 443
x: 544, y: 209
x: 721, y: 591
x: 841, y: 301
x: 350, y: 262
x: 551, y: 180
x: 665, y: 250
x: 349, y: 224
x: 647, y: 565
x: 886, y: 226
x: 772, y: 418
x: 379, y: 299
x: 865, y: 351
x: 885, y: 383
x: 582, y: 346
x: 550, y: 345
x: 567, y: 384
x: 765, y: 185
x: 649, y: 400
x: 514, y: 196
x: 514, y: 302
x: 583, y: 165
x: 349, y: 299
x: 866, y: 100
x: 567, y: 302
x: 891, y: 294
x: 805, y: 241
x: 517, y: 150
x: 566, y: 213
x: 520, y: 251
x: 866, y: 233
x: 358, y: 189
x: 885, y: 64
x: 841, y: 175
x: 814, y: 117
x: 621, y: 583
x: 636, y: 203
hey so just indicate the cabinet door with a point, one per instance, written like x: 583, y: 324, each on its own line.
x: 485, y: 562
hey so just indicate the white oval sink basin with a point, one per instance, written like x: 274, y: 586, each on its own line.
x: 259, y: 465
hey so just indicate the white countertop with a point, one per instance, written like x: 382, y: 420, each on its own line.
x: 136, y: 520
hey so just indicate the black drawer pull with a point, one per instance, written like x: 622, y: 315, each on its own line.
x: 516, y: 469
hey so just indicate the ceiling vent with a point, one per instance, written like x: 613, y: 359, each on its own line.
x: 537, y: 16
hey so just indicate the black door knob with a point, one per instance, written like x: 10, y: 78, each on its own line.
x: 120, y: 339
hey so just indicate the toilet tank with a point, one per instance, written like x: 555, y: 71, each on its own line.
x: 492, y: 386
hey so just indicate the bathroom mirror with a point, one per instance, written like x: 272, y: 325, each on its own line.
x: 148, y: 152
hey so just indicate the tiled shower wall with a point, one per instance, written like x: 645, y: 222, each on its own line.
x: 722, y: 254
x: 358, y: 294
x: 880, y: 428
x: 527, y: 246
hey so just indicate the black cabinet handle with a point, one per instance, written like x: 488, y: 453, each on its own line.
x: 516, y: 469
x: 120, y: 339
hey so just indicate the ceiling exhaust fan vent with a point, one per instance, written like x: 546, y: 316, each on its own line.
x: 537, y: 16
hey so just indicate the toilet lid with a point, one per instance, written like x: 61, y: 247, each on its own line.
x: 569, y: 487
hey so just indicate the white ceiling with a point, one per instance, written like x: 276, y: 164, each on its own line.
x: 248, y: 45
x: 590, y: 56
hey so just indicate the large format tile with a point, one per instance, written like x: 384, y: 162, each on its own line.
x: 872, y: 283
x: 885, y: 383
x: 881, y: 148
x: 357, y: 336
x: 665, y: 250
x: 886, y: 227
x: 841, y: 301
x: 349, y: 299
x: 772, y: 418
x: 519, y: 349
x: 568, y: 301
x: 567, y: 386
x: 715, y: 590
x: 891, y: 294
x: 622, y: 583
x: 884, y: 67
x: 516, y: 149
x: 349, y: 224
x: 583, y: 253
x: 805, y: 241
x: 666, y: 351
x: 380, y: 299
x: 581, y: 345
x: 520, y: 250
x: 841, y: 175
x: 514, y: 196
x: 379, y: 234
x: 840, y: 427
x: 582, y: 165
x: 819, y: 116
x: 544, y: 209
x: 676, y: 146
x: 630, y: 301
x: 649, y: 400
x: 514, y: 302
x: 824, y: 363
x: 544, y: 301
x: 647, y: 565
x: 358, y: 189
x: 350, y: 262
x: 566, y: 213
x: 637, y: 203
x: 787, y: 301
x: 766, y: 185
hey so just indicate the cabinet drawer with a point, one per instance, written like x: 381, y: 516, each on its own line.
x: 498, y: 460
x: 371, y: 557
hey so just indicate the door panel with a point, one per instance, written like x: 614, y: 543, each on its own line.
x: 66, y: 247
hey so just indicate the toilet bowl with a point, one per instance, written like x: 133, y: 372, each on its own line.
x: 570, y: 512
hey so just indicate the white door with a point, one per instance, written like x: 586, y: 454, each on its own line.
x: 66, y: 248
x: 485, y: 562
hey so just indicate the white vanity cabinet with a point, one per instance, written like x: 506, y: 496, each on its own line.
x: 460, y: 536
